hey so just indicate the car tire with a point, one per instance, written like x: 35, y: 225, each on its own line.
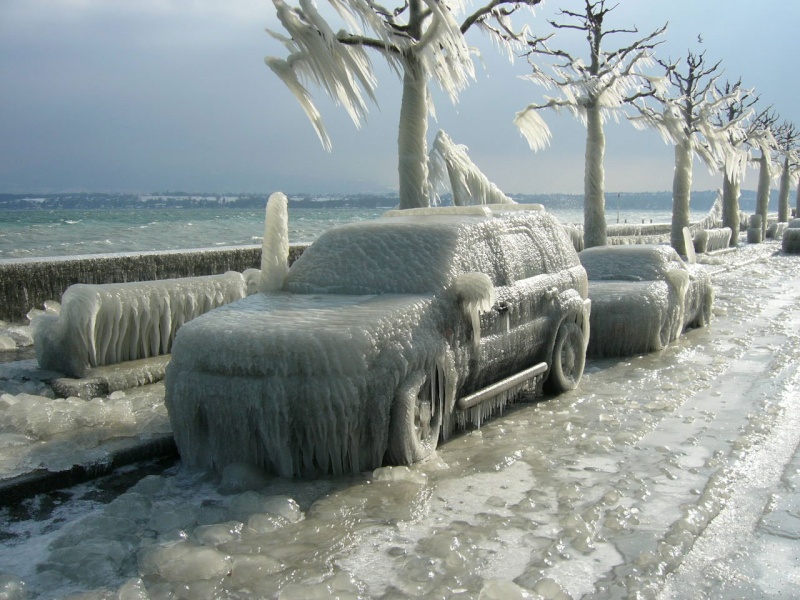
x: 569, y: 359
x: 704, y: 317
x: 416, y: 419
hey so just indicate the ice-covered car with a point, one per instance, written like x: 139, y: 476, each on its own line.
x: 643, y: 297
x: 385, y: 336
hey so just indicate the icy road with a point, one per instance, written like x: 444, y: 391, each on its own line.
x: 666, y: 476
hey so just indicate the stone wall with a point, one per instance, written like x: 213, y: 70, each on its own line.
x: 28, y: 283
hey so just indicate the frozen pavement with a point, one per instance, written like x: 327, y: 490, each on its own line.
x: 671, y: 475
x: 111, y: 418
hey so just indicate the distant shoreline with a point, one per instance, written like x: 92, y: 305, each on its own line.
x: 701, y: 200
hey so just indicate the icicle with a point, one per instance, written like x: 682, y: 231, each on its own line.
x: 533, y: 128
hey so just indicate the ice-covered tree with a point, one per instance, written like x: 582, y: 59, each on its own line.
x: 765, y: 122
x: 687, y: 120
x: 593, y: 90
x: 422, y: 42
x: 788, y: 138
x: 742, y: 133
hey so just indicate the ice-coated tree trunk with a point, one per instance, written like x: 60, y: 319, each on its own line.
x: 730, y: 207
x: 762, y: 193
x: 681, y: 194
x: 594, y: 203
x: 797, y: 207
x: 783, y: 194
x: 412, y: 146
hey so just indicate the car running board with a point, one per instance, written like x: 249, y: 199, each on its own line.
x: 499, y: 387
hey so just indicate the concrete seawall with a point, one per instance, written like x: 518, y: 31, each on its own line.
x: 28, y: 283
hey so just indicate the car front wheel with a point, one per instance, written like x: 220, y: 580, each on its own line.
x: 569, y: 358
x: 416, y: 419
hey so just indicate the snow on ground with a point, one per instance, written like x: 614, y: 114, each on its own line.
x: 668, y: 475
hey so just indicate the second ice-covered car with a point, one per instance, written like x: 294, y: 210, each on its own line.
x: 643, y: 297
x: 385, y: 336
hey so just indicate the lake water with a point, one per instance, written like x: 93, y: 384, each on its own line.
x: 40, y: 233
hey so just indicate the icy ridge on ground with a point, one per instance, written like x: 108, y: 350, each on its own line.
x: 111, y: 323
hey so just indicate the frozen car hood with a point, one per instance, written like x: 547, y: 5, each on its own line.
x: 300, y: 334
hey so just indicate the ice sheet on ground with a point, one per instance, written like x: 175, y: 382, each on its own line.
x: 38, y: 431
x: 600, y: 492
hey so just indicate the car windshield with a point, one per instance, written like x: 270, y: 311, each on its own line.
x: 630, y: 263
x: 384, y: 256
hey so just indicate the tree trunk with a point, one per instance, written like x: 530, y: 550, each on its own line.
x: 681, y: 194
x: 797, y: 208
x: 762, y: 194
x: 783, y: 195
x: 412, y: 146
x: 730, y: 207
x: 594, y: 201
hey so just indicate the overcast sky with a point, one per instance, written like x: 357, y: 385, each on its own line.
x: 155, y: 95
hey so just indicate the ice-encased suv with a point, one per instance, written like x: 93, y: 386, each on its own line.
x: 386, y: 336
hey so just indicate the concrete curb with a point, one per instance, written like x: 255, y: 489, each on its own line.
x: 121, y: 453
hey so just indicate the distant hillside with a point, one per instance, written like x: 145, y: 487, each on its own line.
x: 661, y: 201
x: 89, y: 201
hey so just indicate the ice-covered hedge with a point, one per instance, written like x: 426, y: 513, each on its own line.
x: 791, y: 238
x: 709, y: 240
x: 775, y: 230
x: 106, y: 324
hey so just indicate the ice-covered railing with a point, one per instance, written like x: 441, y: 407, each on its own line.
x: 106, y: 324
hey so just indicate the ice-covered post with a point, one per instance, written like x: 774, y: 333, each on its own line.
x: 610, y: 81
x: 275, y: 247
x: 422, y: 42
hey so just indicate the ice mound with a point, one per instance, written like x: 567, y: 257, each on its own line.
x: 116, y: 322
x: 379, y: 325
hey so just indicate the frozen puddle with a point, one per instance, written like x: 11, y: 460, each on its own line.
x: 670, y: 475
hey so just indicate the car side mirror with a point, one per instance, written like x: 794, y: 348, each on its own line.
x: 678, y: 279
x: 475, y: 293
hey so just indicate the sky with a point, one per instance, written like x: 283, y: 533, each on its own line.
x: 174, y: 95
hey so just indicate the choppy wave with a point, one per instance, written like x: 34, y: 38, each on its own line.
x: 41, y: 233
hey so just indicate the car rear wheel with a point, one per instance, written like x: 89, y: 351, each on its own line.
x: 569, y: 359
x: 416, y: 420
